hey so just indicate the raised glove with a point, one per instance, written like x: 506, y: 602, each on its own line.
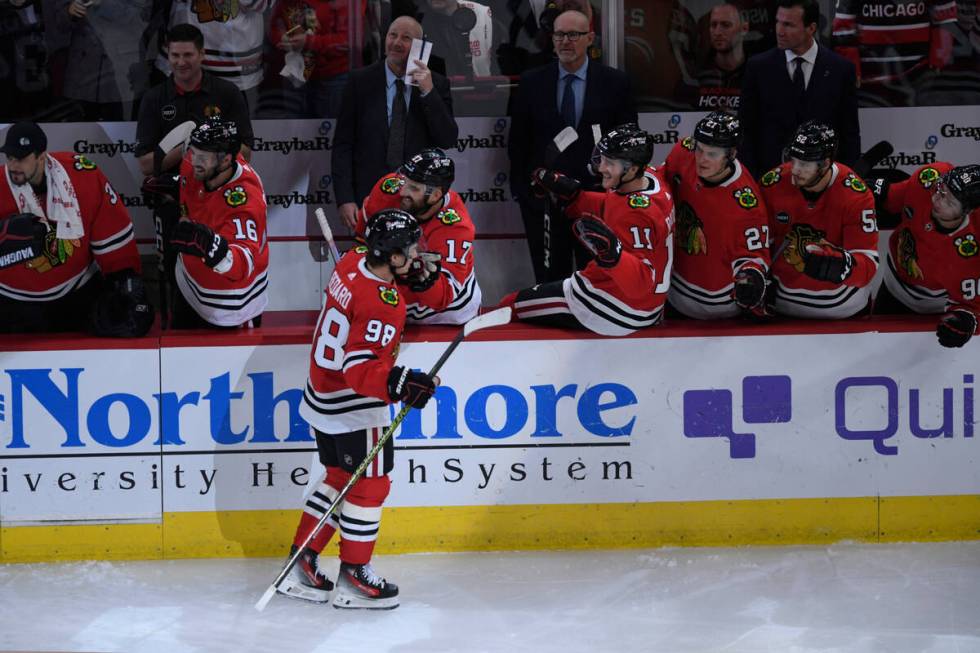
x: 956, y: 328
x: 544, y: 181
x: 826, y: 262
x: 22, y: 238
x: 411, y: 386
x: 160, y: 190
x: 423, y: 272
x: 122, y: 309
x: 750, y: 288
x: 197, y: 239
x: 599, y: 239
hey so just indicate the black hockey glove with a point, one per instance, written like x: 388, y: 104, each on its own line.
x: 122, y: 309
x: 423, y: 273
x: 161, y: 190
x: 197, y: 239
x: 956, y: 328
x: 826, y: 262
x: 411, y: 386
x: 750, y: 288
x: 544, y: 181
x: 599, y: 239
x: 21, y: 238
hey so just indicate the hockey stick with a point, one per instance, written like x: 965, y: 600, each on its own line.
x: 485, y: 321
x: 872, y: 157
x: 321, y: 217
x: 559, y: 144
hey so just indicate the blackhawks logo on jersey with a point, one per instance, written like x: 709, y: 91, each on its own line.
x: 361, y: 249
x: 638, y: 201
x: 928, y: 176
x: 392, y: 185
x: 449, y: 216
x: 799, y: 236
x: 689, y: 234
x: 771, y: 177
x: 236, y: 196
x: 746, y: 198
x: 688, y: 143
x: 855, y: 183
x: 388, y: 295
x: 82, y: 162
x: 966, y: 246
x: 908, y: 258
x: 56, y: 252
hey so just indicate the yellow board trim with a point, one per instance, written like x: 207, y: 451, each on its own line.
x: 487, y: 528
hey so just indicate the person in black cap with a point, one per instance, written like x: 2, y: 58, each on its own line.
x: 68, y: 257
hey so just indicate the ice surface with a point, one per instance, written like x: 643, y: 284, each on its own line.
x: 921, y: 598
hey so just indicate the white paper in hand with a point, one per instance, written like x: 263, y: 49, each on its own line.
x: 421, y: 49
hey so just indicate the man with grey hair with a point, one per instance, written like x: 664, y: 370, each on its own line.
x: 387, y: 116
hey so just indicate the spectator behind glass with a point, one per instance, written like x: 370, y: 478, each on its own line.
x: 318, y: 31
x: 720, y: 76
x: 235, y: 32
x: 23, y: 61
x: 466, y: 52
x: 101, y: 54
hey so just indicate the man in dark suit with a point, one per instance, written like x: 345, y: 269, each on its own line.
x: 796, y: 81
x: 572, y: 91
x: 385, y: 119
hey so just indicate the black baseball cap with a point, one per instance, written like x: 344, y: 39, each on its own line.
x: 24, y: 138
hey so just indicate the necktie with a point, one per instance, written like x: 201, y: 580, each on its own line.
x: 799, y: 82
x: 568, y: 102
x: 396, y: 131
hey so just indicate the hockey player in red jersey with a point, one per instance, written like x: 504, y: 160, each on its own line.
x: 421, y: 186
x: 353, y: 378
x: 823, y: 228
x: 628, y: 229
x: 68, y: 258
x: 721, y: 239
x: 222, y: 270
x: 932, y: 261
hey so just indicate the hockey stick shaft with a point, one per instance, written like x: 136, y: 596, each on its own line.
x: 321, y: 217
x: 487, y: 320
x: 559, y: 144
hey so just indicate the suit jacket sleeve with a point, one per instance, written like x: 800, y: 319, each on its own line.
x: 850, y: 129
x: 437, y: 107
x: 342, y: 156
x: 748, y: 115
x: 519, y: 140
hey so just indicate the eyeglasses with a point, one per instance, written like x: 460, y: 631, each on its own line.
x: 571, y: 36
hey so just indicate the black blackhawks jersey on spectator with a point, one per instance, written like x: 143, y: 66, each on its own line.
x: 887, y: 39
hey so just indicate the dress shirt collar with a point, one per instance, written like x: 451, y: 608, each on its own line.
x: 810, y: 56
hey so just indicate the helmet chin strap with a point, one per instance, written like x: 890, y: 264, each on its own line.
x: 622, y: 176
x: 218, y: 170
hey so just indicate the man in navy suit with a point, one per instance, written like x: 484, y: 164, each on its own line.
x: 385, y: 118
x: 796, y: 81
x: 572, y: 91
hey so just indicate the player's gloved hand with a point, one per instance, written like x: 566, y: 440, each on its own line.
x: 159, y: 190
x: 423, y: 272
x: 956, y: 328
x: 826, y: 262
x: 22, y: 238
x: 750, y: 288
x: 411, y: 386
x: 197, y: 239
x: 599, y: 239
x: 544, y: 181
x: 122, y: 309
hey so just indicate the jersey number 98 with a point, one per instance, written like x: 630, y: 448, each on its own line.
x: 330, y: 343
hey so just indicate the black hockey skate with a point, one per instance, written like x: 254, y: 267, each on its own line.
x: 305, y: 580
x: 358, y: 587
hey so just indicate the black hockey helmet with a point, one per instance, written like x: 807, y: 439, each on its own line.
x: 625, y: 143
x: 431, y: 167
x: 391, y: 231
x: 813, y: 141
x: 217, y: 134
x: 963, y: 183
x: 718, y: 129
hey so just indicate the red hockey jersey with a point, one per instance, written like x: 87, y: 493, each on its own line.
x: 720, y: 230
x: 619, y: 300
x: 354, y: 348
x: 236, y: 210
x: 919, y: 256
x: 455, y: 297
x: 843, y: 215
x: 108, y: 243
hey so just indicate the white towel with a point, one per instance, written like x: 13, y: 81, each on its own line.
x: 62, y: 202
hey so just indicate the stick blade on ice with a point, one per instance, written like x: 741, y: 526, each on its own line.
x: 264, y: 601
x: 487, y: 320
